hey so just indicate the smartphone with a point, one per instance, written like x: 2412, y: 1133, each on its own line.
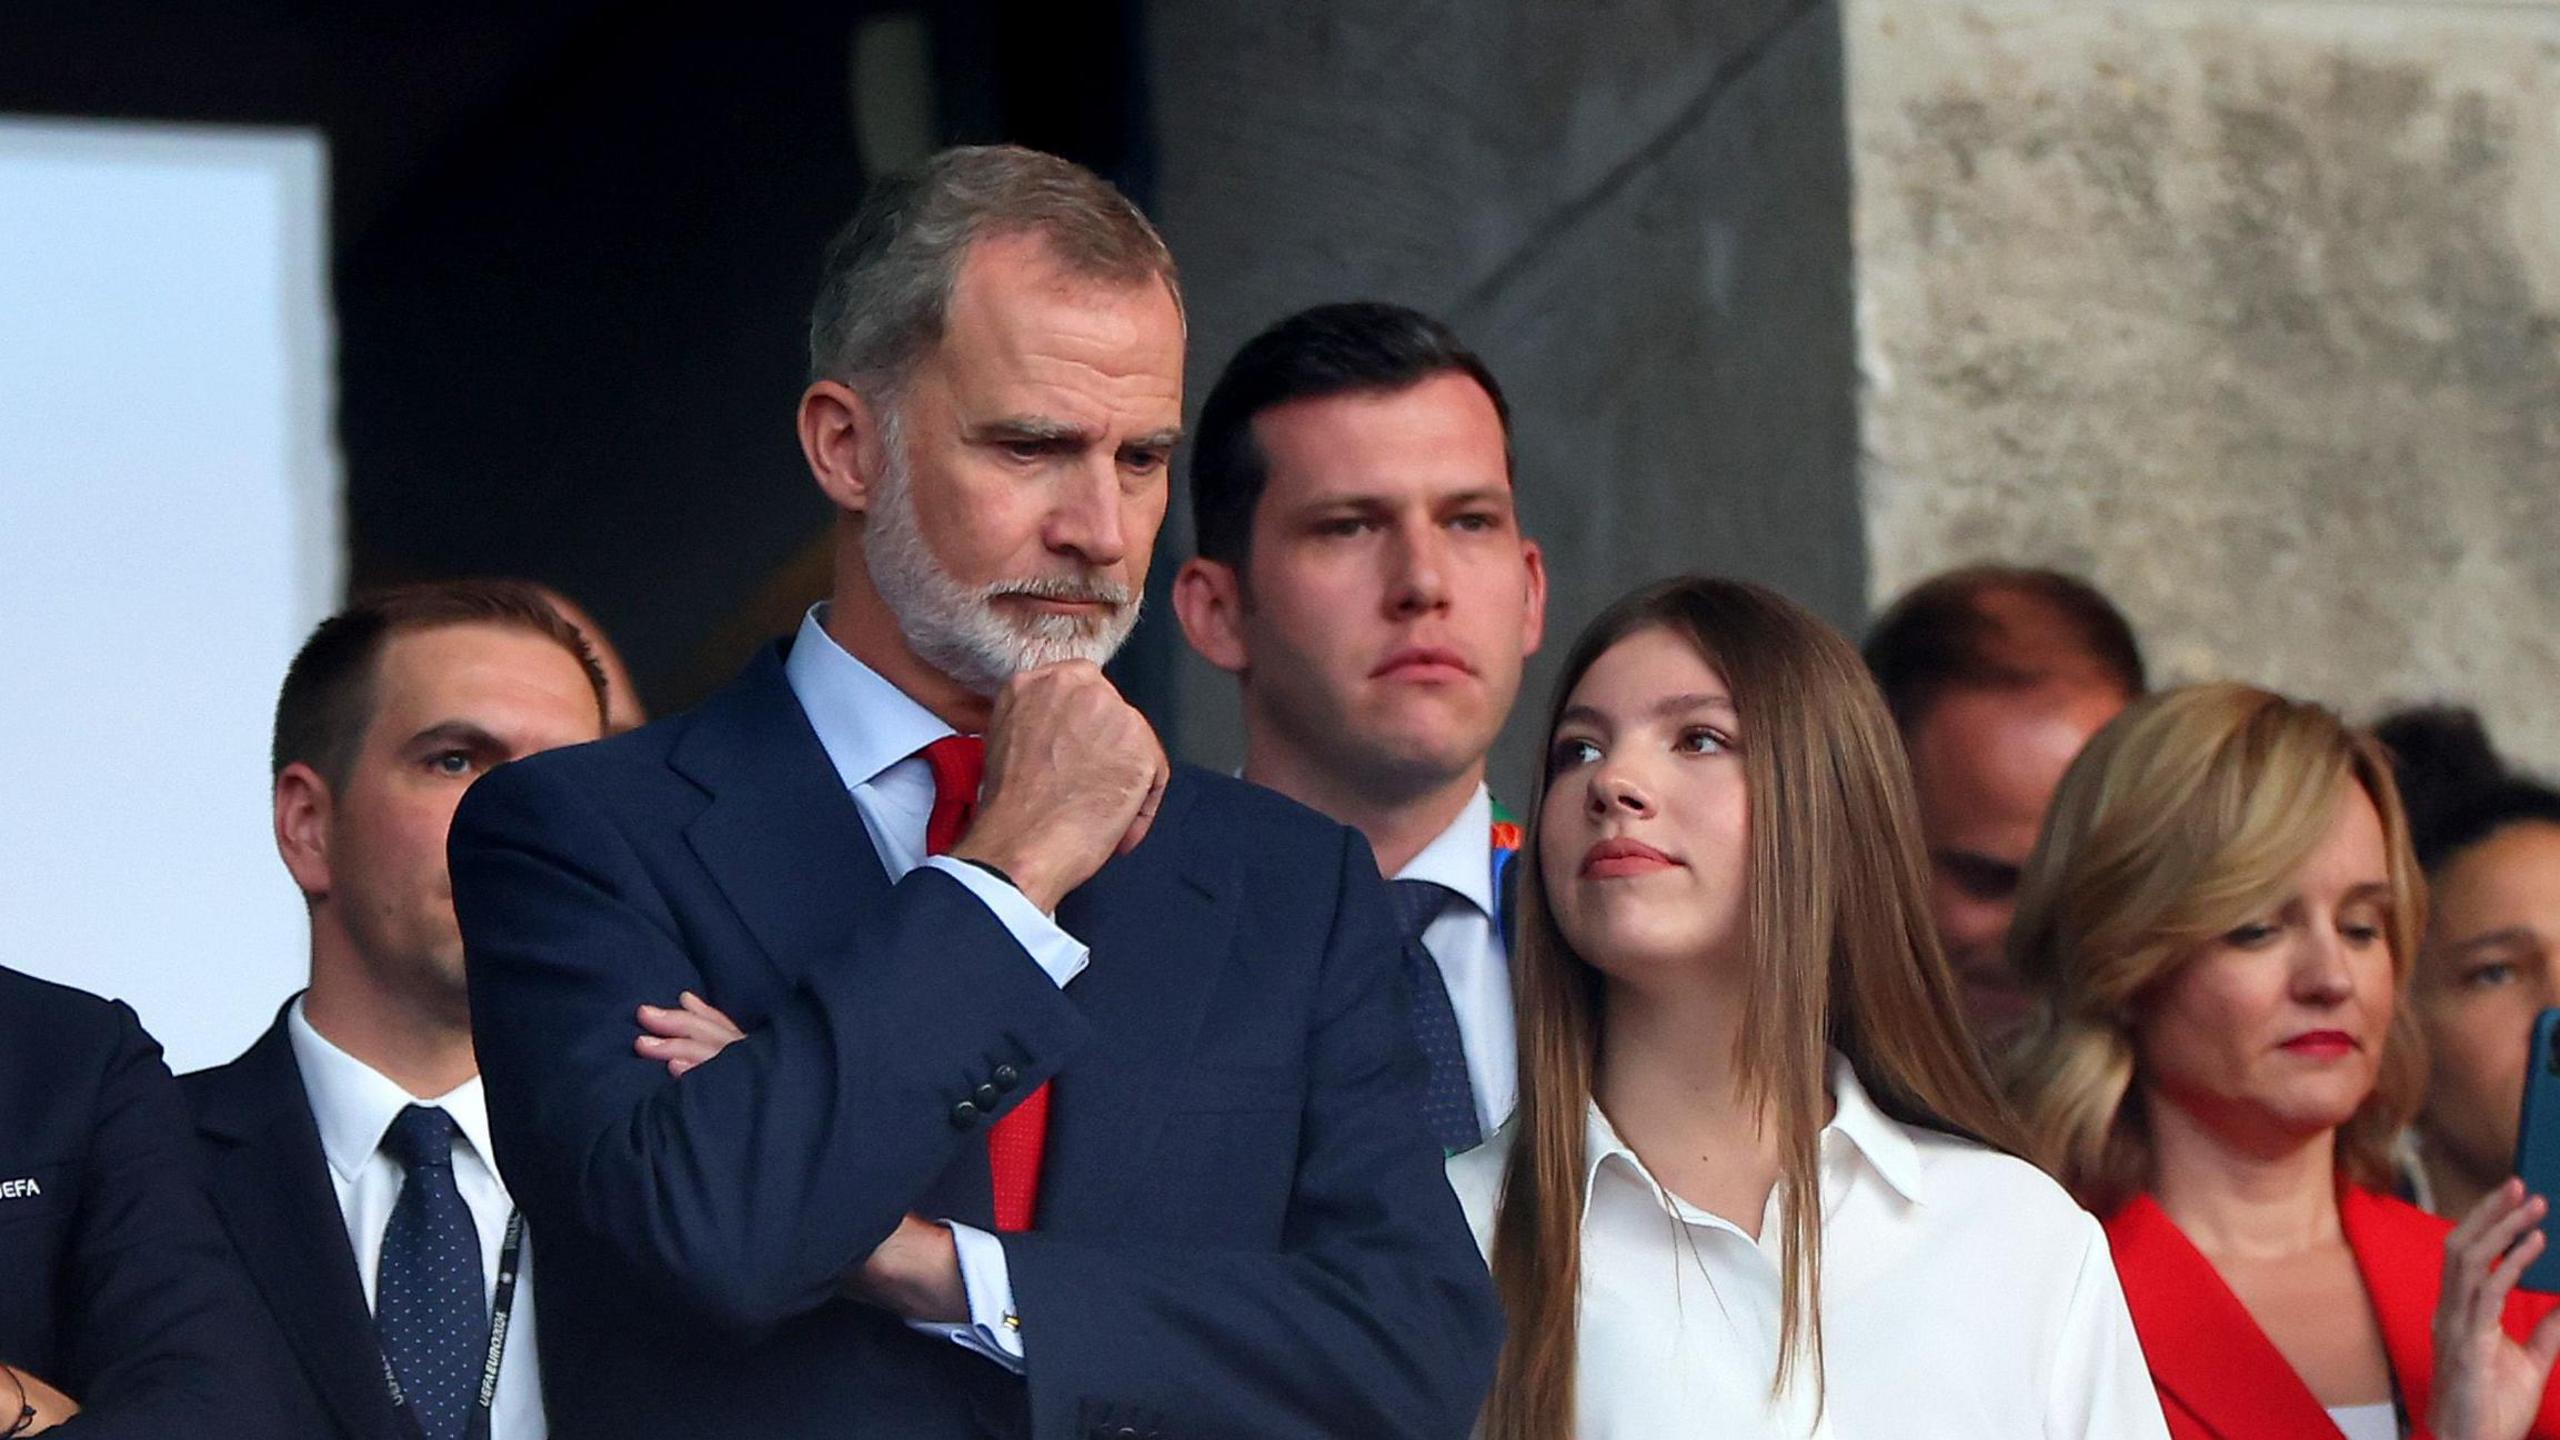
x: 2538, y: 1142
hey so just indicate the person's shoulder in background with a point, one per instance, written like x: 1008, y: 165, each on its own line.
x: 116, y: 1286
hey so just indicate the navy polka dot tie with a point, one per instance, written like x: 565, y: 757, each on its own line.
x: 428, y: 1300
x: 1449, y: 1101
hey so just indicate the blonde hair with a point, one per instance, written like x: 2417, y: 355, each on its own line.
x: 2186, y: 816
x: 1837, y: 927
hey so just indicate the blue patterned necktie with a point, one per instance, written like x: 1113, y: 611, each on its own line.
x: 1449, y: 1102
x: 429, y: 1305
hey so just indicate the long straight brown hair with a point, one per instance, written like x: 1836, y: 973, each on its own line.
x: 1842, y: 953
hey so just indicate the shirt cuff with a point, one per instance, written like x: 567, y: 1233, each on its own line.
x: 1058, y: 954
x: 994, y: 1330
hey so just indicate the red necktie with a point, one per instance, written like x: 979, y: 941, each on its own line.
x: 1016, y: 1143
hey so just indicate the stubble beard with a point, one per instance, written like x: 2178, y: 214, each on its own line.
x: 957, y: 629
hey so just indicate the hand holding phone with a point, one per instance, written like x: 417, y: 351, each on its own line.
x: 2538, y: 1141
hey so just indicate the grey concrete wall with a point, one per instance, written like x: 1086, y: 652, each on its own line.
x: 2245, y: 309
x: 1638, y: 212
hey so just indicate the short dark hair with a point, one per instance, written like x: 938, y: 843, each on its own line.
x: 327, y: 700
x: 889, y: 273
x: 2458, y: 791
x: 1944, y: 634
x: 1327, y: 350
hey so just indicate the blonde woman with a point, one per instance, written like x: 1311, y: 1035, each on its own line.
x: 1757, y: 1184
x: 2219, y: 921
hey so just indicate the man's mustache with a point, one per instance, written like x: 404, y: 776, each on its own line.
x: 1072, y: 591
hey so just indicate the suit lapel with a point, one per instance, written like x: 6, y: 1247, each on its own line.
x: 781, y: 837
x: 2402, y: 1266
x: 270, y: 1184
x: 2204, y: 1349
x: 785, y: 843
x: 1160, y: 939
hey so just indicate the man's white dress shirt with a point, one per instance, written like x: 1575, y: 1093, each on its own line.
x: 354, y: 1105
x: 1474, y: 962
x: 1964, y: 1296
x: 872, y: 731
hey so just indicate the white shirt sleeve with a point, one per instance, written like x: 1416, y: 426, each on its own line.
x: 1061, y: 955
x: 993, y: 1330
x: 2101, y: 1386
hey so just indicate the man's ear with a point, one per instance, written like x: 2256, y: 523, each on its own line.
x: 841, y: 438
x: 1208, y: 598
x: 305, y: 811
x: 1533, y: 616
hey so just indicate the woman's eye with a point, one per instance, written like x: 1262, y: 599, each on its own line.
x: 1569, y: 753
x: 2361, y: 934
x: 1699, y: 740
x: 2249, y: 936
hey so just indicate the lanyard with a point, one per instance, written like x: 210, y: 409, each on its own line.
x: 1504, y: 857
x: 501, y: 1310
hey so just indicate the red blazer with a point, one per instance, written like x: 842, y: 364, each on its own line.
x: 2220, y: 1378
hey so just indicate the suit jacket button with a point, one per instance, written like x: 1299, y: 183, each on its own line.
x: 1007, y: 1077
x: 964, y: 1116
x: 987, y: 1096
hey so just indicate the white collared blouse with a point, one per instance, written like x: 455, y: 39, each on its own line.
x: 1964, y: 1295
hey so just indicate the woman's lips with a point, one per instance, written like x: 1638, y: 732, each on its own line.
x: 1617, y: 858
x: 2322, y: 1044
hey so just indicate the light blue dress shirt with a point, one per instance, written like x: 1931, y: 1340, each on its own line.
x: 872, y: 731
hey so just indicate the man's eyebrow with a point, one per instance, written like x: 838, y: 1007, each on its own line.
x: 2490, y: 940
x: 456, y: 735
x: 1049, y: 430
x: 1029, y: 427
x: 1381, y: 500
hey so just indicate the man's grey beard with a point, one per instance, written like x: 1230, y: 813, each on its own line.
x: 958, y: 630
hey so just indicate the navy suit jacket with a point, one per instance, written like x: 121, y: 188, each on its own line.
x: 270, y: 1185
x: 1243, y: 1228
x: 115, y: 1284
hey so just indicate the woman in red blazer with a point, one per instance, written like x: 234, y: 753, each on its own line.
x: 2219, y: 920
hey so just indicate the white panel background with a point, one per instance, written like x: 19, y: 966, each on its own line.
x: 169, y: 530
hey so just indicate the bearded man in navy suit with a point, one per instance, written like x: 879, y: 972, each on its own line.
x: 1049, y: 1089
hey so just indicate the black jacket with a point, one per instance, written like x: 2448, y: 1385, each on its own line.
x: 270, y: 1186
x: 116, y: 1285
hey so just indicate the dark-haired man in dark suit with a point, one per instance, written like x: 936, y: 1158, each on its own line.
x: 1067, y: 1094
x: 122, y: 1313
x: 348, y: 1151
x: 1363, y: 575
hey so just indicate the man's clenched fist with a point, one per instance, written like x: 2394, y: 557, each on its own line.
x: 1074, y: 776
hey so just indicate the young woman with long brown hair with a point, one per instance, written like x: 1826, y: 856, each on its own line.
x: 1758, y: 1183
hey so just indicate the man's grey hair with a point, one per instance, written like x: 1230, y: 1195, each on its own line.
x: 890, y: 271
